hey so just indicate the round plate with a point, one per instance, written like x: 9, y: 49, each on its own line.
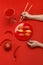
x: 23, y: 31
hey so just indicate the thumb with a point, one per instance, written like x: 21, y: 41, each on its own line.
x: 29, y: 43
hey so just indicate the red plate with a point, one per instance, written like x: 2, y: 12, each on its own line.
x: 23, y: 31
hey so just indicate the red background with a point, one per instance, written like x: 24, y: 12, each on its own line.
x: 24, y: 55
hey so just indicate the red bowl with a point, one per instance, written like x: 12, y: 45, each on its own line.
x: 9, y: 15
x: 9, y: 12
x: 23, y: 31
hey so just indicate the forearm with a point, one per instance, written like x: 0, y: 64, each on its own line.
x: 41, y: 45
x: 36, y: 17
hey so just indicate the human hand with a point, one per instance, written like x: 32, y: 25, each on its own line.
x: 33, y: 43
x: 25, y: 15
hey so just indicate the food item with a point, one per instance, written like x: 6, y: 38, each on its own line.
x: 23, y: 31
x: 28, y: 31
x: 27, y: 34
x: 7, y: 46
x: 20, y: 30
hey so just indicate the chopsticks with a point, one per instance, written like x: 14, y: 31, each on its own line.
x: 21, y: 18
x: 26, y: 6
x: 29, y: 8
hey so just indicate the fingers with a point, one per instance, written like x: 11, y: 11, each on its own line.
x: 29, y: 43
x: 23, y: 14
x: 31, y: 40
x: 22, y: 18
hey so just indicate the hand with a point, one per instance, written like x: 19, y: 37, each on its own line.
x: 25, y: 15
x: 33, y: 43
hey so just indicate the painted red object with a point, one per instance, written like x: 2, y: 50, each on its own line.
x: 23, y: 31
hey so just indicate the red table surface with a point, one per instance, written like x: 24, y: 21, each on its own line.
x: 24, y: 55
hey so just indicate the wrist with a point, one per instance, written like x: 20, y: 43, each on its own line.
x: 30, y: 16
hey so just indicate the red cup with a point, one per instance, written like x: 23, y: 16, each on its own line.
x: 9, y: 15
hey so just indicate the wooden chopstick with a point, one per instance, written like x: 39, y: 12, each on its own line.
x: 26, y: 6
x: 29, y: 8
x: 21, y: 18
